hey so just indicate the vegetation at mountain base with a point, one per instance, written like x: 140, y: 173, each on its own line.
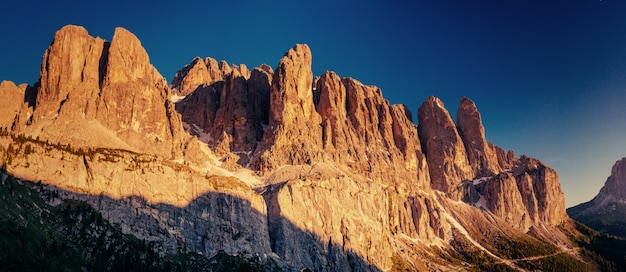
x: 72, y: 236
x: 612, y: 222
x: 608, y: 251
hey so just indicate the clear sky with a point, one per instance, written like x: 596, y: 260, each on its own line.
x: 549, y: 77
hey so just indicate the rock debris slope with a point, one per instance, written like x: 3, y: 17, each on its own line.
x: 302, y: 171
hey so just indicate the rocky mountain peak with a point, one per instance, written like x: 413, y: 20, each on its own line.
x: 481, y: 157
x: 615, y: 185
x: 93, y: 93
x: 74, y: 63
x: 606, y: 212
x: 294, y: 133
x: 443, y: 146
x: 11, y: 102
x: 127, y: 59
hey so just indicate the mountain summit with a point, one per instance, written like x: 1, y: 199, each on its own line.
x: 277, y: 166
x: 607, y: 211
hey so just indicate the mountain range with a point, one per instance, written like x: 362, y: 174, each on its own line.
x: 274, y: 167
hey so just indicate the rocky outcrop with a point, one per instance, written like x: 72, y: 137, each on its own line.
x: 445, y: 152
x: 363, y: 131
x: 368, y: 229
x: 462, y: 164
x: 259, y: 85
x: 481, y: 156
x: 236, y: 107
x: 199, y: 108
x: 135, y: 100
x: 93, y: 93
x: 615, y: 185
x: 294, y: 132
x: 236, y: 115
x: 71, y: 74
x: 529, y: 195
x: 198, y: 73
x: 11, y: 103
x: 546, y: 190
x: 154, y: 199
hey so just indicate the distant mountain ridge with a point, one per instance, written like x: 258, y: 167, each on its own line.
x: 306, y: 172
x: 607, y: 211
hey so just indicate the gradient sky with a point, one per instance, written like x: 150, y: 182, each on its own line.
x: 549, y: 77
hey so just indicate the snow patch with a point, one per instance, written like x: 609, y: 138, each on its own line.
x: 175, y: 98
x: 247, y: 176
x: 481, y: 203
x: 479, y: 180
x: 202, y: 136
x: 194, y: 129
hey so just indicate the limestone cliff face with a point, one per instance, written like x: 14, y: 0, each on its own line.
x: 547, y: 192
x: 134, y: 100
x: 363, y: 131
x: 481, y: 156
x: 359, y: 129
x: 445, y: 152
x: 11, y: 103
x: 230, y: 113
x: 199, y: 72
x: 375, y: 227
x: 93, y: 93
x: 294, y: 132
x: 71, y: 74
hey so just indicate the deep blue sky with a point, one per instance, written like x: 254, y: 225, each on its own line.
x: 549, y: 77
